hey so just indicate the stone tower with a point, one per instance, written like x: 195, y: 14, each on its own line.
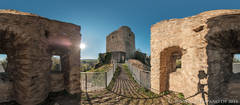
x: 123, y: 40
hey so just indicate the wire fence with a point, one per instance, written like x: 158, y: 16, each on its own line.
x: 92, y: 81
x: 141, y: 76
x: 236, y: 67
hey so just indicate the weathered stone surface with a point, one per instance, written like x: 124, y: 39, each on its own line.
x: 6, y: 88
x: 206, y: 43
x: 57, y: 81
x: 122, y: 40
x: 30, y: 41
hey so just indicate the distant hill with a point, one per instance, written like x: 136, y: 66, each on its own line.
x: 89, y: 60
x: 88, y: 64
x: 103, y: 68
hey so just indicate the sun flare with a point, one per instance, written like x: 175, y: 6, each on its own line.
x: 82, y: 46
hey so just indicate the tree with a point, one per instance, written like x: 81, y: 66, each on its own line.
x: 235, y: 60
x: 4, y: 63
x: 56, y: 64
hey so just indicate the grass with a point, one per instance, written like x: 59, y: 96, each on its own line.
x: 142, y: 90
x: 180, y: 96
x: 116, y: 74
x: 103, y: 68
x: 89, y: 60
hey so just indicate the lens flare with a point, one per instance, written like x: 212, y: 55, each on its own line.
x: 82, y: 46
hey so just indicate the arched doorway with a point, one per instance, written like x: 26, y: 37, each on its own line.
x: 222, y: 46
x: 169, y: 59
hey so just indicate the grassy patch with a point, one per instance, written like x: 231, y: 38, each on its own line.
x: 180, y: 96
x: 142, y: 90
x: 116, y: 74
x: 165, y: 93
x: 103, y: 68
x: 147, y: 92
x: 125, y: 67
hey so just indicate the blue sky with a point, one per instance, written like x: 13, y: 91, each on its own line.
x: 98, y: 18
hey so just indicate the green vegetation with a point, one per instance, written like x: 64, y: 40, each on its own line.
x: 116, y: 74
x: 88, y: 64
x: 180, y: 95
x: 4, y: 63
x: 125, y: 67
x: 103, y: 68
x: 103, y: 58
x: 147, y: 92
x: 235, y: 60
x: 142, y: 57
x: 56, y: 64
x: 141, y: 89
x: 178, y: 63
x: 165, y: 93
x: 89, y: 60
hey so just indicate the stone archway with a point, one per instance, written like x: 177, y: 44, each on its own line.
x: 168, y: 65
x: 221, y: 47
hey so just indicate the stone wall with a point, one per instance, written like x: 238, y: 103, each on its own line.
x: 57, y: 81
x: 30, y: 41
x: 6, y: 87
x: 206, y: 43
x: 118, y: 57
x: 123, y: 40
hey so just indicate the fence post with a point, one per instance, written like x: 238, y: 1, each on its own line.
x: 140, y: 77
x: 86, y: 82
x: 105, y: 79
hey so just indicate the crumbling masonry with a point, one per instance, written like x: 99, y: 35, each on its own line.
x: 206, y: 44
x: 121, y: 40
x: 29, y: 42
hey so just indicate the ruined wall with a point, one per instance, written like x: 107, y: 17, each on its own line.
x: 30, y: 41
x: 118, y: 57
x: 123, y: 40
x: 201, y: 40
x: 57, y: 81
x: 6, y: 87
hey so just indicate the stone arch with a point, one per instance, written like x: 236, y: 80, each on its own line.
x: 220, y: 49
x: 168, y: 65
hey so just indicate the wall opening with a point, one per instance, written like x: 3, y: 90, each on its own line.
x: 177, y: 61
x: 3, y: 62
x: 223, y: 47
x: 169, y: 63
x: 56, y: 63
x: 236, y: 63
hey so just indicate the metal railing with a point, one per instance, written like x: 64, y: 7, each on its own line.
x: 141, y: 76
x: 236, y: 67
x: 92, y: 81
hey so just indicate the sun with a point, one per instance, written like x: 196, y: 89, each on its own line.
x: 82, y: 46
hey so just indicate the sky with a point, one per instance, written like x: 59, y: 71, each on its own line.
x: 98, y: 18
